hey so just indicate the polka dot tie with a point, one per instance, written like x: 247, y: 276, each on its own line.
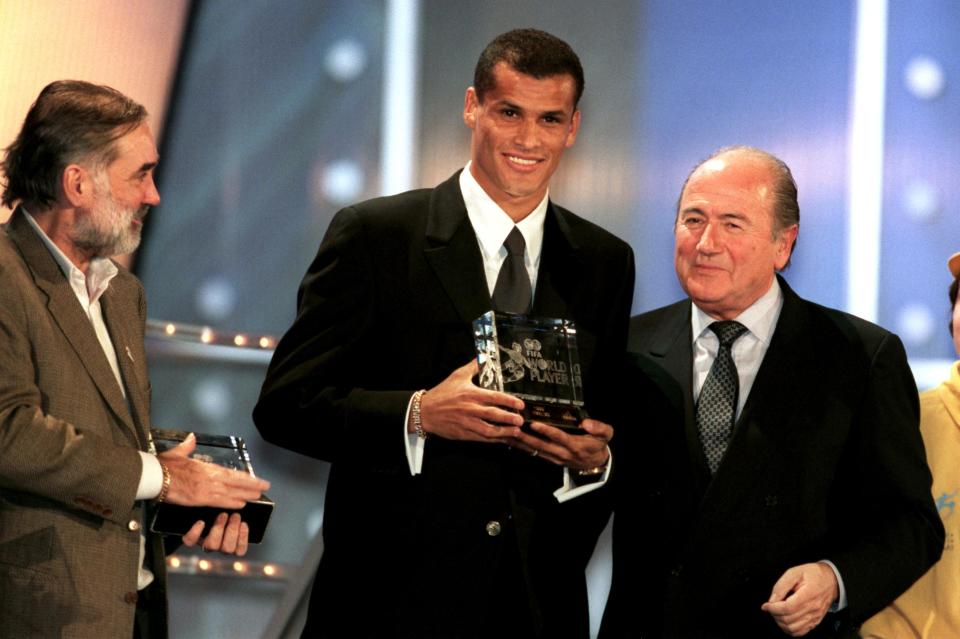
x: 717, y: 405
x: 513, y: 292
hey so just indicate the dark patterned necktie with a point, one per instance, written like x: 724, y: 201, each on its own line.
x: 717, y: 405
x: 512, y: 292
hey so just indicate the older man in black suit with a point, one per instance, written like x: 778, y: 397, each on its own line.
x: 777, y: 484
x: 441, y: 515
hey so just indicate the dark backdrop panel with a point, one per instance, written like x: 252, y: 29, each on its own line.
x: 271, y: 96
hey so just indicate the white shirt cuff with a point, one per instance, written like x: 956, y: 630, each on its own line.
x: 841, y: 602
x: 570, y: 489
x: 151, y: 477
x: 413, y: 445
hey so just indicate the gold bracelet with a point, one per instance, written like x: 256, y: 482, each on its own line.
x: 165, y: 487
x: 592, y: 472
x: 415, y: 414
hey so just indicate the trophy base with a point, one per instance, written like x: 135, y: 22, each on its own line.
x: 564, y: 416
x: 173, y: 519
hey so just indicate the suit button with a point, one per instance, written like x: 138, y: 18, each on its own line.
x: 130, y: 598
x: 133, y: 525
x: 493, y: 528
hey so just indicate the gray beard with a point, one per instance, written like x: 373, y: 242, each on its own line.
x: 97, y: 242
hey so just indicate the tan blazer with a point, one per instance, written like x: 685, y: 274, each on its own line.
x: 69, y: 467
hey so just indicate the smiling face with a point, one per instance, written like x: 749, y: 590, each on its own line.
x: 726, y: 250
x: 122, y: 193
x: 520, y: 131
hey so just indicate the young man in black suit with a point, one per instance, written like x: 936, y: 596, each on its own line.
x: 778, y: 484
x: 441, y: 518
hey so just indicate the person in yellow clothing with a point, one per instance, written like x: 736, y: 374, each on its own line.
x: 930, y: 609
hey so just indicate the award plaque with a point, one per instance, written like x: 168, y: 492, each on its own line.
x: 227, y: 451
x: 536, y: 360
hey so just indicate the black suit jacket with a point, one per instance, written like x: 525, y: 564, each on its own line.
x: 825, y: 462
x: 385, y: 309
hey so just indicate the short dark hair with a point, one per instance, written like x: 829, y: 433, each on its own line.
x: 953, y: 300
x: 529, y: 51
x: 71, y: 121
x: 786, y: 205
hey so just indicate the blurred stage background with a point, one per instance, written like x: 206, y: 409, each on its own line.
x: 272, y: 115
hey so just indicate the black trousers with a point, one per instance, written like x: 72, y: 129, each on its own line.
x: 145, y: 624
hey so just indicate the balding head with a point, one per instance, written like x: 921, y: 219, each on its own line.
x: 729, y: 242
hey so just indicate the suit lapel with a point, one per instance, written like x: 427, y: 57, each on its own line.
x: 454, y: 255
x: 784, y: 358
x: 672, y: 345
x: 559, y: 288
x: 773, y: 399
x: 118, y: 322
x: 452, y: 251
x: 66, y: 311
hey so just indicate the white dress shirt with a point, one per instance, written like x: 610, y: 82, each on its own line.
x: 748, y: 352
x: 491, y: 224
x: 749, y: 349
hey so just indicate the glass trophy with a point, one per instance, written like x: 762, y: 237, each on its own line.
x: 536, y: 360
x: 224, y: 450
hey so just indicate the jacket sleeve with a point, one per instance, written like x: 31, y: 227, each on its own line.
x: 893, y: 533
x: 50, y: 456
x: 313, y: 400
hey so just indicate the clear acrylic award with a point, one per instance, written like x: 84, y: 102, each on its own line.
x: 536, y: 360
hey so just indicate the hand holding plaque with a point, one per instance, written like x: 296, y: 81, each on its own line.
x: 216, y: 477
x: 536, y: 360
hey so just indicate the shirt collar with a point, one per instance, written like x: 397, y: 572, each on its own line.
x: 492, y: 224
x: 760, y: 318
x: 101, y: 269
